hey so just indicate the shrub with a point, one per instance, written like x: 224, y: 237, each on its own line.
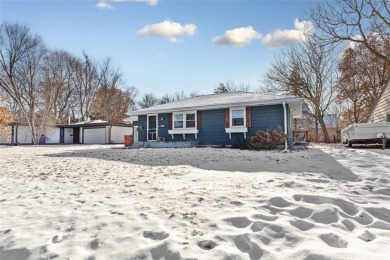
x: 266, y: 140
x: 240, y: 143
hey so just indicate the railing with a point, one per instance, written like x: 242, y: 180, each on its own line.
x: 152, y: 136
x: 300, y: 137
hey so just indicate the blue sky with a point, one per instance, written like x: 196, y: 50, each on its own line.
x: 168, y: 46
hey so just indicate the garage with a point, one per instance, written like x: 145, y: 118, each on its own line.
x: 118, y: 133
x: 94, y: 135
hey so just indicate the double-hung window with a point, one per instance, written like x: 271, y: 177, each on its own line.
x: 184, y: 120
x: 184, y: 123
x: 235, y: 121
x: 237, y: 117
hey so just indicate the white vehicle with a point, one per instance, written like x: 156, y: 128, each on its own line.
x: 366, y: 133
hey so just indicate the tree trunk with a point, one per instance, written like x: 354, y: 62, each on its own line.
x: 316, y: 129
x: 324, y: 130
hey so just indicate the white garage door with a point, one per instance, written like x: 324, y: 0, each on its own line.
x: 95, y: 136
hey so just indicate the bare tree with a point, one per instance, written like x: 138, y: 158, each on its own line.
x: 180, y: 95
x: 355, y: 21
x: 21, y: 58
x: 166, y: 99
x: 232, y: 86
x: 87, y: 85
x: 194, y: 93
x: 148, y: 100
x: 58, y: 83
x: 308, y: 70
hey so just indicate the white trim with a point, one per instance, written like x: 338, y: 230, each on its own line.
x: 285, y: 124
x: 184, y: 132
x: 147, y: 126
x: 236, y: 129
x: 184, y: 119
x: 231, y: 116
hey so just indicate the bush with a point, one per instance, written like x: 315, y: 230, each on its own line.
x: 240, y: 143
x: 266, y: 140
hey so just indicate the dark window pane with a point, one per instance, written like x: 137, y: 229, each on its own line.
x: 152, y: 122
x: 190, y: 124
x: 238, y: 121
x: 190, y: 116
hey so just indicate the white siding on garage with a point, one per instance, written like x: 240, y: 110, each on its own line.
x: 53, y: 135
x: 118, y: 133
x: 68, y: 135
x: 24, y: 135
x: 94, y: 135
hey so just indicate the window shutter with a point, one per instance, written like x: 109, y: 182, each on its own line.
x: 170, y: 121
x: 227, y: 118
x: 198, y: 119
x: 248, y: 117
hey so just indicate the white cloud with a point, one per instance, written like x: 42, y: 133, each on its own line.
x: 283, y: 37
x: 352, y: 44
x: 104, y: 4
x: 237, y: 37
x: 168, y: 29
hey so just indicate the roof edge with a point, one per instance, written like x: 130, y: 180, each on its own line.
x: 219, y: 106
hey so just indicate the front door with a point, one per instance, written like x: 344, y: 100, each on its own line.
x: 76, y: 135
x: 152, y: 127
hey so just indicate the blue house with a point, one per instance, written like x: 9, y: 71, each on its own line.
x: 216, y: 119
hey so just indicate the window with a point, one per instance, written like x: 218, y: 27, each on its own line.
x: 237, y: 117
x: 178, y: 121
x: 184, y: 120
x: 190, y: 120
x: 388, y: 118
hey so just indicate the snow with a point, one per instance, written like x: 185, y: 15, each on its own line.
x: 327, y: 202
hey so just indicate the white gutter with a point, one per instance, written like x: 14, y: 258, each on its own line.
x: 285, y: 124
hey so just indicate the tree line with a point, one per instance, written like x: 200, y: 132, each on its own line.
x: 341, y: 66
x: 44, y: 87
x: 41, y: 87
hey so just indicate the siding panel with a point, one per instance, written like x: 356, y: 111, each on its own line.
x: 212, y: 131
x: 382, y: 108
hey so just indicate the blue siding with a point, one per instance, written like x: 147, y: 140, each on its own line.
x: 266, y: 118
x: 212, y: 131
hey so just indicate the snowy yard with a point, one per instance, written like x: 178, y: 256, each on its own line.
x: 103, y: 202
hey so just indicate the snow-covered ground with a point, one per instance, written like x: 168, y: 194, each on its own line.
x: 103, y: 202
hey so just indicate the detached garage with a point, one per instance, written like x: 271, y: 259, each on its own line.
x: 87, y: 132
x: 101, y: 132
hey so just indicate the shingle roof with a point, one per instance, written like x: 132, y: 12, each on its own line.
x: 216, y: 101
